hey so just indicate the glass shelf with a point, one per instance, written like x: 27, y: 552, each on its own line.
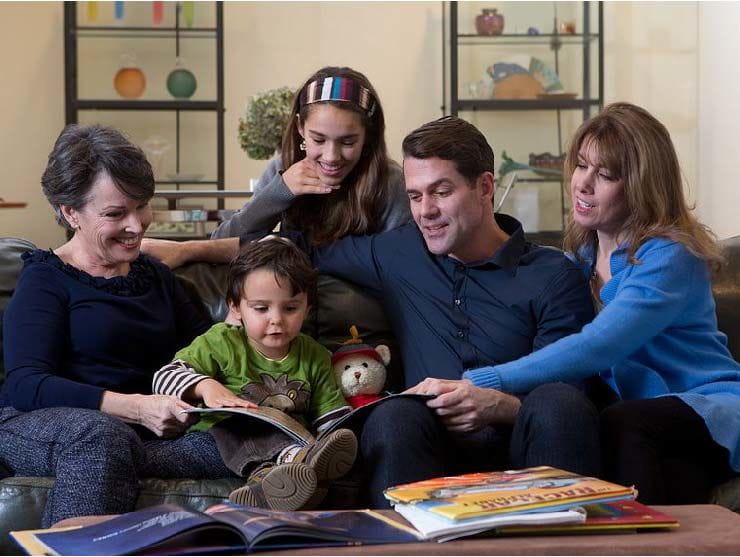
x: 526, y: 104
x: 101, y: 31
x: 174, y: 182
x: 90, y: 104
x: 545, y: 39
x: 219, y: 194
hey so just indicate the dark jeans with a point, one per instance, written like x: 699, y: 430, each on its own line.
x: 403, y: 441
x: 97, y: 459
x: 663, y: 448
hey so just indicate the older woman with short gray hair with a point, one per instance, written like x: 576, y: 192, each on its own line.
x: 89, y: 323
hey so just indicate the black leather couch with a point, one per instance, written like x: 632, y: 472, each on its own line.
x: 22, y: 499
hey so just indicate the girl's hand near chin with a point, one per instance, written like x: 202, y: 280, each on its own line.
x: 302, y: 178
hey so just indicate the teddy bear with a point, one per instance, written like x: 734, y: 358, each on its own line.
x: 360, y: 370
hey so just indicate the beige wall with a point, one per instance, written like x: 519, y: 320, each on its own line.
x: 718, y: 139
x: 660, y: 55
x: 652, y: 59
x: 31, y: 112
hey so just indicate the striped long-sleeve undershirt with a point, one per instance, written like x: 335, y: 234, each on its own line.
x: 175, y: 378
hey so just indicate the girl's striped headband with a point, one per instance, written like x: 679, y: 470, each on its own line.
x: 338, y: 89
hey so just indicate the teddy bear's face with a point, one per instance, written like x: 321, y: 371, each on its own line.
x: 358, y: 374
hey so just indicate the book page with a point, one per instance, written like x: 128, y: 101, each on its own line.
x: 273, y: 416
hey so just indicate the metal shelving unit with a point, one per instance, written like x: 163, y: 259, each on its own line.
x: 590, y: 43
x: 73, y: 33
x: 555, y: 42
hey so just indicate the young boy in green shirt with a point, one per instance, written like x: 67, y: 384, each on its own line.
x: 265, y: 360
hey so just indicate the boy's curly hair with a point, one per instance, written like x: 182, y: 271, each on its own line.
x: 279, y: 255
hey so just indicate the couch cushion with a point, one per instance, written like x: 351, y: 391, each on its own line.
x: 727, y: 495
x: 726, y: 289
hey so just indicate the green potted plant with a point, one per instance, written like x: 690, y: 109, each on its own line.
x: 265, y: 118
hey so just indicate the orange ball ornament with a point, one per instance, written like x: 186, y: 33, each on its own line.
x: 130, y: 82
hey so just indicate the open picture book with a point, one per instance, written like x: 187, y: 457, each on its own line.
x: 292, y: 427
x: 223, y: 528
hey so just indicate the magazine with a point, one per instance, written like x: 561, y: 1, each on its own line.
x: 628, y: 516
x: 289, y: 425
x: 513, y: 491
x: 223, y: 528
x: 438, y: 528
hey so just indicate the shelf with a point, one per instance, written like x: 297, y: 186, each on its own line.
x: 100, y: 31
x: 144, y: 105
x: 179, y: 194
x: 553, y: 180
x: 526, y: 104
x: 173, y: 182
x: 544, y: 39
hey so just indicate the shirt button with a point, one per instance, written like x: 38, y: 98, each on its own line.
x: 460, y: 334
x: 458, y: 301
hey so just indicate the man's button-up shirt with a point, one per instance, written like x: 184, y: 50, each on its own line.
x: 451, y: 316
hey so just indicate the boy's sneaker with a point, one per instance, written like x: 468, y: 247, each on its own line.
x: 284, y: 487
x: 331, y: 457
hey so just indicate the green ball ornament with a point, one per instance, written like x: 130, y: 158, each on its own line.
x: 181, y: 83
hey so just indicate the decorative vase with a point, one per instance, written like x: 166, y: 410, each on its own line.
x: 188, y: 13
x: 157, y: 12
x: 181, y: 82
x: 129, y: 81
x: 489, y: 22
x: 118, y: 12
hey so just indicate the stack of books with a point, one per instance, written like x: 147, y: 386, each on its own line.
x: 541, y: 499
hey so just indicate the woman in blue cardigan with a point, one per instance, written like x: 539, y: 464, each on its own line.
x: 675, y: 428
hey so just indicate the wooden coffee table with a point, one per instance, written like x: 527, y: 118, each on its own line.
x: 704, y: 530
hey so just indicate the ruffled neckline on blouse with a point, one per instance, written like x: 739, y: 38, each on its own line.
x: 137, y: 282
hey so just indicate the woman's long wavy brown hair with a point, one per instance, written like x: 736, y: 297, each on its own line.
x: 357, y: 206
x: 637, y: 149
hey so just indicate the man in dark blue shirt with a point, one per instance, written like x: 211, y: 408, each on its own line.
x: 463, y: 289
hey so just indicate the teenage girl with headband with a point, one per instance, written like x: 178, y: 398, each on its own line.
x: 334, y: 176
x: 338, y: 178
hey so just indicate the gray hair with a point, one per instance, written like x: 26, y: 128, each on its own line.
x: 81, y: 154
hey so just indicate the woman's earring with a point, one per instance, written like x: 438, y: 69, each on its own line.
x: 302, y: 145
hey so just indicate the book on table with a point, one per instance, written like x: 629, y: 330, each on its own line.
x: 298, y: 432
x: 618, y: 516
x: 440, y: 529
x: 223, y: 528
x: 481, y: 494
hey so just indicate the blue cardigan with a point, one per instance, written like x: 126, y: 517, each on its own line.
x: 656, y: 335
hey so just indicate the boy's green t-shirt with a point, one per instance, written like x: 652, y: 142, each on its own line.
x: 302, y: 384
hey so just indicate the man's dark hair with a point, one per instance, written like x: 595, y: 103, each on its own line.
x: 80, y: 154
x: 452, y: 139
x: 278, y: 255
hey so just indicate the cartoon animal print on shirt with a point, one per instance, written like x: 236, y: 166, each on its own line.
x: 289, y: 395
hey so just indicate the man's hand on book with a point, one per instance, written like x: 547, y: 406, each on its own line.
x: 215, y: 395
x: 464, y: 407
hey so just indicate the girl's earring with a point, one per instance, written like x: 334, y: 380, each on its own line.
x: 302, y: 145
